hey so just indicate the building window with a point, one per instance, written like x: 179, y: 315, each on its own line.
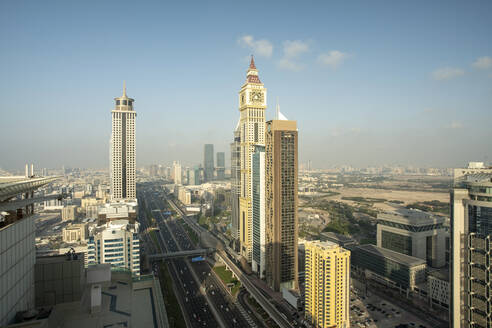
x: 396, y: 242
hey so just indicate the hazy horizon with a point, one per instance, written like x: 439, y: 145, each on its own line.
x: 369, y: 83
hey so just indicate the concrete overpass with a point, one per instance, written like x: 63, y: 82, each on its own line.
x: 174, y: 255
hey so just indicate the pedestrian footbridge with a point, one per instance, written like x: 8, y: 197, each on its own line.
x: 180, y: 254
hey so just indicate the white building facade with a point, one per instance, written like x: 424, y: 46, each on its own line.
x: 116, y: 243
x: 122, y: 149
x: 178, y: 174
x: 258, y: 201
x: 439, y: 289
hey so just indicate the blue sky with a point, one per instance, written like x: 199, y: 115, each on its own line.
x: 369, y: 82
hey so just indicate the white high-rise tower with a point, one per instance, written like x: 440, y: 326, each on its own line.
x: 122, y: 157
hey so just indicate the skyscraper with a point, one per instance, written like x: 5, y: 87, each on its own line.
x: 235, y: 184
x: 252, y: 106
x: 208, y: 162
x: 471, y: 233
x: 326, y: 296
x: 187, y: 175
x: 178, y: 175
x: 220, y: 165
x: 122, y: 157
x: 281, y: 204
x: 258, y: 202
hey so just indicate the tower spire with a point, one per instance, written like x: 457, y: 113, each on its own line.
x: 252, y: 63
x: 252, y: 74
x: 124, y: 88
x: 277, y: 111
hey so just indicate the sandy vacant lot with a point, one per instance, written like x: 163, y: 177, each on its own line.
x: 407, y: 197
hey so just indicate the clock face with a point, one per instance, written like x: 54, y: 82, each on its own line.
x: 256, y: 96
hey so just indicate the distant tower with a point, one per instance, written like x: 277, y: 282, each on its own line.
x: 252, y: 106
x: 220, y: 165
x: 178, y: 174
x: 122, y: 157
x: 208, y: 162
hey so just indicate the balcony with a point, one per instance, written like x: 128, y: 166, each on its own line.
x: 478, y: 304
x: 477, y: 243
x: 478, y: 273
x: 478, y: 258
x: 478, y: 288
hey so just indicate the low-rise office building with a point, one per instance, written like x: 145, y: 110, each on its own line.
x: 339, y: 239
x: 388, y: 267
x: 74, y: 233
x: 415, y: 233
x: 69, y: 213
x: 438, y: 288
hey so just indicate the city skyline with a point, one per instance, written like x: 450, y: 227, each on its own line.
x: 317, y: 175
x: 369, y: 94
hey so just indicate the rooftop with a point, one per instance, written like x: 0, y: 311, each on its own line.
x: 391, y: 255
x: 413, y: 217
x: 442, y: 274
x: 12, y: 186
x: 337, y: 237
x: 325, y: 245
x: 124, y: 302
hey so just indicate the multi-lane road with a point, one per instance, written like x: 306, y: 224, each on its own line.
x: 206, y: 301
x: 279, y: 317
x: 194, y: 305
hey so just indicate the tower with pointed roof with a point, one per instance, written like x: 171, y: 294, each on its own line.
x: 122, y: 149
x: 252, y: 107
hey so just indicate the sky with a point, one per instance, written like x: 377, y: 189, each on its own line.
x: 368, y: 82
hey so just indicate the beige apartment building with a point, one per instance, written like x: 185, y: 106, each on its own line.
x: 122, y: 157
x: 327, y: 293
x: 69, y: 213
x: 75, y: 233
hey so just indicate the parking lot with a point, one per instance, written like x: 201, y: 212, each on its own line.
x: 373, y: 311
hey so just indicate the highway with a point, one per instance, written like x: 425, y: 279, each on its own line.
x: 212, y: 241
x: 193, y: 304
x: 176, y: 239
x: 214, y: 286
x: 230, y: 316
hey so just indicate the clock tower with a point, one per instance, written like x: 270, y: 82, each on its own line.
x: 252, y: 106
